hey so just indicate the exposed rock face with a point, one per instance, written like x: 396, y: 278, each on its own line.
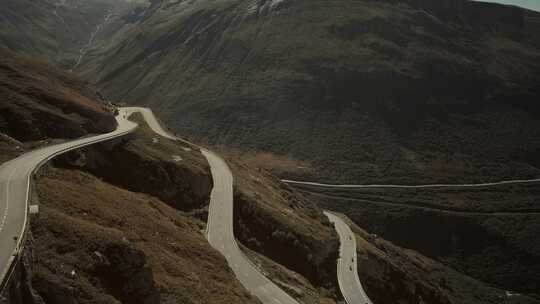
x: 124, y: 271
x: 176, y: 174
x: 20, y: 290
x: 262, y: 231
x: 121, y: 269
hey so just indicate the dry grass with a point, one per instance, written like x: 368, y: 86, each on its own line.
x: 40, y: 102
x: 36, y: 77
x: 276, y: 163
x: 79, y: 213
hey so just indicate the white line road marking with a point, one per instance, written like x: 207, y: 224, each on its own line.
x: 220, y: 220
x: 509, y: 182
x: 6, y: 211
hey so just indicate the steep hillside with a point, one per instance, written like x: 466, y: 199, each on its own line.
x: 97, y: 243
x: 417, y: 92
x: 41, y: 102
x: 488, y: 233
x: 412, y: 278
x: 106, y: 239
x: 59, y: 31
x: 280, y: 224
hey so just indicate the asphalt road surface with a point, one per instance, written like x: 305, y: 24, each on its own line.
x: 347, y: 269
x: 322, y: 185
x: 219, y: 229
x: 221, y: 236
x: 15, y: 184
x: 151, y: 120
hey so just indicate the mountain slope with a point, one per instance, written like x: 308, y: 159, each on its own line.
x: 57, y: 30
x: 41, y: 102
x: 103, y: 238
x: 420, y: 92
x: 492, y: 242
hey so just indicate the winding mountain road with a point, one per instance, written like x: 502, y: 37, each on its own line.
x: 219, y: 229
x: 15, y: 178
x: 221, y: 236
x: 322, y: 185
x: 347, y: 269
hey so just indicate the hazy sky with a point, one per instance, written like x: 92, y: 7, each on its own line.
x: 531, y: 4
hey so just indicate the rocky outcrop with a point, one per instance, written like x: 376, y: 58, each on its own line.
x: 135, y: 163
x: 265, y: 232
x: 123, y: 270
x: 98, y: 243
x: 180, y: 187
x: 281, y: 225
x: 117, y: 267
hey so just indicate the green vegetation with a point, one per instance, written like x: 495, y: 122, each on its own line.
x: 53, y: 30
x: 272, y: 219
x: 363, y: 91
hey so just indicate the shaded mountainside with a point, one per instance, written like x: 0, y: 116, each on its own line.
x: 56, y: 30
x: 164, y: 227
x: 494, y: 242
x: 393, y: 274
x: 418, y: 92
x: 91, y: 235
x: 407, y: 91
x: 41, y: 102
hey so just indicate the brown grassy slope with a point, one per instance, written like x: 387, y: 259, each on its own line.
x: 176, y: 173
x: 259, y: 199
x: 123, y: 247
x: 39, y: 102
x: 129, y: 247
x: 392, y: 274
x: 149, y: 158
